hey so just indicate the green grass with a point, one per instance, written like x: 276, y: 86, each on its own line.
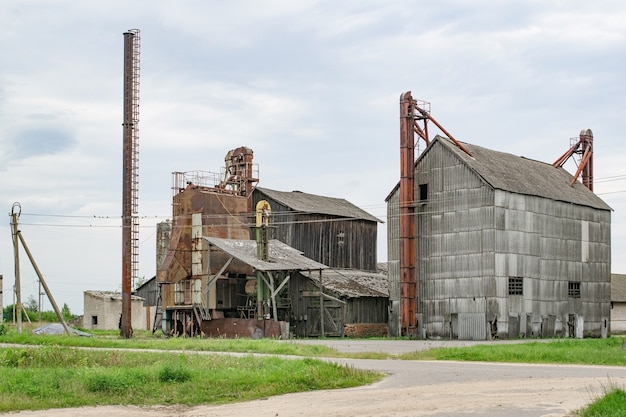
x: 54, y: 376
x: 143, y: 341
x: 562, y: 351
x: 611, y: 404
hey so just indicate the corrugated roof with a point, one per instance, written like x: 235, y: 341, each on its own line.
x: 521, y: 175
x: 618, y: 288
x: 282, y: 257
x: 353, y: 283
x: 316, y: 204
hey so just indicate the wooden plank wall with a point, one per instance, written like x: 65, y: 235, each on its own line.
x: 320, y: 237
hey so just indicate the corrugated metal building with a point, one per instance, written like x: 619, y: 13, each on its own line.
x: 329, y: 230
x: 505, y: 247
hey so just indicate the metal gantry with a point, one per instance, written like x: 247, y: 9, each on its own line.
x: 584, y: 148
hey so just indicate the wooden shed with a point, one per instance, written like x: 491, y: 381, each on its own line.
x: 505, y: 247
x: 332, y: 231
x: 354, y: 303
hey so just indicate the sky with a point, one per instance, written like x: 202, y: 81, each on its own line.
x: 312, y: 87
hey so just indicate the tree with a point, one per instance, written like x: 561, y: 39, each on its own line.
x: 65, y: 311
x: 31, y: 304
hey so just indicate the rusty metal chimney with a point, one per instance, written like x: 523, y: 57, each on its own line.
x: 130, y: 206
x: 408, y: 282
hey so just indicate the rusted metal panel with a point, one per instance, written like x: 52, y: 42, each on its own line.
x: 252, y: 328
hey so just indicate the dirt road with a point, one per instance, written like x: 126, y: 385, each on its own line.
x: 414, y: 388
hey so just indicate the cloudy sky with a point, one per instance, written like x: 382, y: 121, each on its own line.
x: 311, y: 86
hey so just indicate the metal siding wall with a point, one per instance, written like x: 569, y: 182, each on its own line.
x: 543, y: 243
x: 456, y: 242
x: 393, y: 246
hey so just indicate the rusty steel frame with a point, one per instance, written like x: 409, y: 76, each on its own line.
x: 583, y: 147
x: 414, y: 118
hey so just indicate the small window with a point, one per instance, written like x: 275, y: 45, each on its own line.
x: 573, y: 289
x: 516, y: 286
x: 94, y: 320
x: 423, y: 192
x: 340, y: 237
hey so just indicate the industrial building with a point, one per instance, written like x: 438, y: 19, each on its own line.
x: 505, y: 247
x: 208, y: 279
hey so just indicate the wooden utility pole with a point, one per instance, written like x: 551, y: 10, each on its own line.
x: 43, y: 283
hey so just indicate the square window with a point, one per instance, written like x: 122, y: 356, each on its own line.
x: 516, y: 286
x: 573, y: 289
x: 94, y: 320
x: 423, y: 189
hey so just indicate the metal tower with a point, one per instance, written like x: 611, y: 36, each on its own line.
x: 130, y: 201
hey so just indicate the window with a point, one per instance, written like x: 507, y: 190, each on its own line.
x: 423, y: 188
x: 573, y: 289
x: 516, y: 286
x: 94, y: 320
x: 340, y: 237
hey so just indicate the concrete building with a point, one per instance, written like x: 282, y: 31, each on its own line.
x: 505, y: 247
x: 103, y: 309
x: 618, y: 303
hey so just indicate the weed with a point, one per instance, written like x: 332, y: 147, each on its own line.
x: 174, y: 373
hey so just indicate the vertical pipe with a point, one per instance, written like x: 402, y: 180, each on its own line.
x: 586, y: 140
x: 407, y: 216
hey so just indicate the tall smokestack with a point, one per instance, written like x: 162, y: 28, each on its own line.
x: 130, y: 219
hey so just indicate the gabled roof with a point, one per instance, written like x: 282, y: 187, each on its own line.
x: 282, y: 257
x: 317, y: 204
x: 354, y: 283
x: 505, y: 171
x: 618, y: 288
x: 516, y: 174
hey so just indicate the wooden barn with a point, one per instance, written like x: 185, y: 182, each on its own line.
x: 329, y: 230
x: 505, y: 247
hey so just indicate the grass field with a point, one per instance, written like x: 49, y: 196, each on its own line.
x: 46, y: 377
x: 148, y: 370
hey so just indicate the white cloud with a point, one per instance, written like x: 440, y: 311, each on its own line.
x: 311, y: 86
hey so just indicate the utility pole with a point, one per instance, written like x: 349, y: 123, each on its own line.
x: 16, y: 210
x: 1, y: 298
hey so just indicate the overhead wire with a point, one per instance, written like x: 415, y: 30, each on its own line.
x: 275, y: 214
